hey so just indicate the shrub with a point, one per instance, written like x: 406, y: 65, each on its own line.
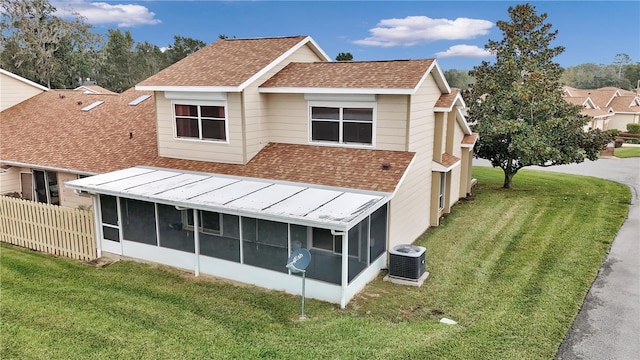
x: 633, y: 128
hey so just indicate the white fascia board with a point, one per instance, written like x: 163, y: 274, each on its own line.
x: 438, y: 76
x: 188, y: 88
x: 44, y: 167
x: 325, y: 224
x: 319, y: 50
x: 307, y: 90
x: 590, y: 102
x: 462, y: 121
x: 280, y: 59
x: 26, y: 81
x: 458, y: 101
x: 441, y: 168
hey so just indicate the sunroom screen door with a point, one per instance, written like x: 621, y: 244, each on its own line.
x: 110, y: 226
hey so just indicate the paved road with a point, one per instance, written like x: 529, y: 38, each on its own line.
x: 608, y: 324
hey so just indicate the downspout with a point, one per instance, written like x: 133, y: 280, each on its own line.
x: 345, y: 266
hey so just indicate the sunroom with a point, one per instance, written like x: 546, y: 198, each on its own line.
x: 243, y: 229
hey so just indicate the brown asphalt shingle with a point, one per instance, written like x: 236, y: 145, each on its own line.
x: 322, y: 165
x: 396, y: 74
x: 50, y: 130
x: 446, y: 100
x: 448, y: 160
x: 226, y: 62
x: 470, y: 139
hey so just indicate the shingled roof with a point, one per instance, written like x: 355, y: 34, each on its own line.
x: 395, y: 74
x: 322, y: 165
x: 50, y: 130
x: 226, y: 62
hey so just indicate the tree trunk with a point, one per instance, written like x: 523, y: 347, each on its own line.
x: 507, y: 180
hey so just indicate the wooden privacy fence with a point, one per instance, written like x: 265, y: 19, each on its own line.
x: 48, y: 228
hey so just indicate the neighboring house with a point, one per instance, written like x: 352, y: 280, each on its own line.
x: 15, y: 89
x: 263, y: 146
x: 623, y: 106
x: 599, y: 118
x: 60, y: 135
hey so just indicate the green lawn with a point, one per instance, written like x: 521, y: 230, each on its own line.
x: 511, y: 266
x: 627, y: 151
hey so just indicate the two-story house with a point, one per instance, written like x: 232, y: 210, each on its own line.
x: 265, y: 146
x: 611, y: 107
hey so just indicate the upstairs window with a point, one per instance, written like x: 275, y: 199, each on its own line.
x: 342, y: 125
x: 201, y: 122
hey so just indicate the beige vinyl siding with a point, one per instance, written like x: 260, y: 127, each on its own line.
x: 68, y: 197
x: 465, y: 172
x: 411, y: 206
x: 454, y: 188
x: 213, y: 151
x: 409, y: 209
x: 10, y: 181
x: 14, y: 91
x: 288, y: 118
x: 456, y: 150
x: 391, y: 122
x: 620, y: 121
x: 257, y: 107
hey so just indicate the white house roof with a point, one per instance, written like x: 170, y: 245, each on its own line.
x: 303, y: 204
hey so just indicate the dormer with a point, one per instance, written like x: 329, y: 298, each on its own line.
x: 208, y: 107
x: 357, y: 104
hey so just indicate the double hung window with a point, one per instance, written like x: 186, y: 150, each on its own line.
x: 443, y: 179
x: 202, y: 122
x: 342, y: 125
x: 209, y: 222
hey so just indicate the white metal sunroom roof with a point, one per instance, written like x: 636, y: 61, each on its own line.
x: 304, y: 204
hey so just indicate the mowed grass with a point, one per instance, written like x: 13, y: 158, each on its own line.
x: 627, y: 152
x: 512, y: 267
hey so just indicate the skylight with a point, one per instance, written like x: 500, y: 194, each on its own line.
x: 91, y: 106
x: 139, y: 100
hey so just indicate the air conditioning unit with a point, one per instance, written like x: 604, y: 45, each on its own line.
x: 407, y: 262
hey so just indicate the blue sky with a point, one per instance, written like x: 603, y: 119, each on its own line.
x: 454, y: 32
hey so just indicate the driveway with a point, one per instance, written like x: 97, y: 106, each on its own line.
x: 608, y: 324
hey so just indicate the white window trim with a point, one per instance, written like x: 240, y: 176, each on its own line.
x: 342, y: 105
x: 200, y: 103
x: 336, y: 238
x: 201, y: 228
x: 442, y: 191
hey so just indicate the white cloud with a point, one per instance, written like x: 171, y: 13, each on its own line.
x: 414, y: 30
x: 468, y: 51
x: 124, y: 15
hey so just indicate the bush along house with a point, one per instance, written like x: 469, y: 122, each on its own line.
x: 264, y: 146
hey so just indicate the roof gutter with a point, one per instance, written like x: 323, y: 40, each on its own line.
x: 47, y: 168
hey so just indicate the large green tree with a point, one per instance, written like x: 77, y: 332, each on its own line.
x: 183, y: 47
x: 119, y: 70
x: 344, y: 56
x: 35, y: 42
x: 516, y: 104
x: 459, y: 78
